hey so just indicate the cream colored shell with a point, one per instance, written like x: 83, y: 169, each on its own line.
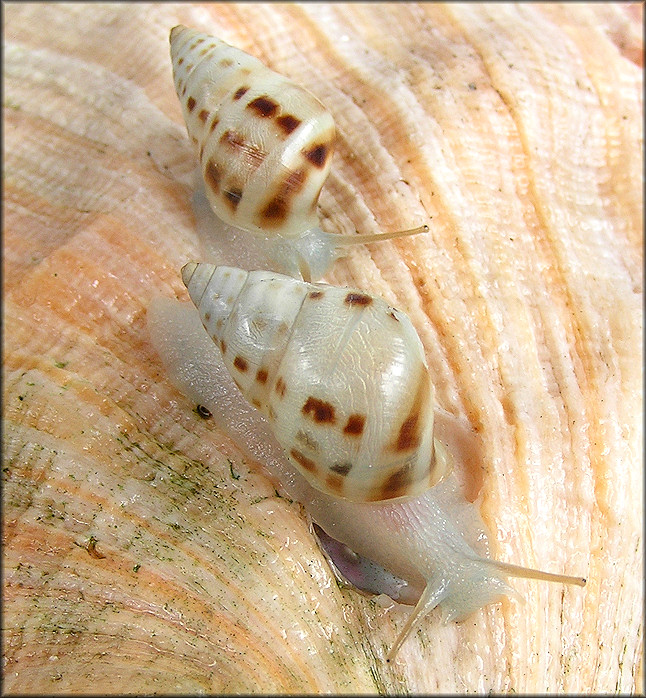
x: 265, y: 144
x: 265, y: 148
x: 340, y: 375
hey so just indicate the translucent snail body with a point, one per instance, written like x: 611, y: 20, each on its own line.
x: 265, y: 148
x: 430, y: 540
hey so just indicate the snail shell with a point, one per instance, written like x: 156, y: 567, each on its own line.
x: 339, y: 373
x: 265, y: 149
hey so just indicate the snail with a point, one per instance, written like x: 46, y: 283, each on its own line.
x: 423, y: 537
x: 265, y: 150
x: 340, y: 375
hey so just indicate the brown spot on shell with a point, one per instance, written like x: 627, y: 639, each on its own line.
x: 358, y: 299
x: 240, y: 92
x: 409, y: 436
x: 190, y: 104
x: 240, y: 363
x: 263, y: 106
x: 212, y: 175
x: 316, y: 294
x: 396, y: 484
x: 262, y: 375
x: 280, y: 387
x: 226, y: 63
x: 393, y: 316
x: 341, y: 468
x: 303, y: 460
x: 256, y: 403
x: 214, y: 124
x: 355, y: 425
x: 203, y: 115
x: 334, y: 483
x: 207, y: 316
x: 288, y: 123
x: 318, y: 410
x: 223, y: 346
x: 180, y: 61
x: 317, y: 154
x: 271, y: 413
x: 277, y: 209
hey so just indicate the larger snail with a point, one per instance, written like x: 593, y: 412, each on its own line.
x: 265, y: 149
x: 318, y: 375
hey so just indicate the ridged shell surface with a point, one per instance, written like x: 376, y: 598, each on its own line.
x: 265, y: 144
x: 340, y: 374
x: 143, y: 551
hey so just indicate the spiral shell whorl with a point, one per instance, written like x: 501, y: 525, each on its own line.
x: 265, y: 144
x: 340, y: 375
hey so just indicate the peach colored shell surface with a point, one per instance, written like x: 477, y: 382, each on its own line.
x: 143, y: 550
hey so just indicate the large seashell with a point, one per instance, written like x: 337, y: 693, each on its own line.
x: 141, y: 551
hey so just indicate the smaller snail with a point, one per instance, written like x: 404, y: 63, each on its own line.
x: 340, y: 375
x: 265, y: 149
